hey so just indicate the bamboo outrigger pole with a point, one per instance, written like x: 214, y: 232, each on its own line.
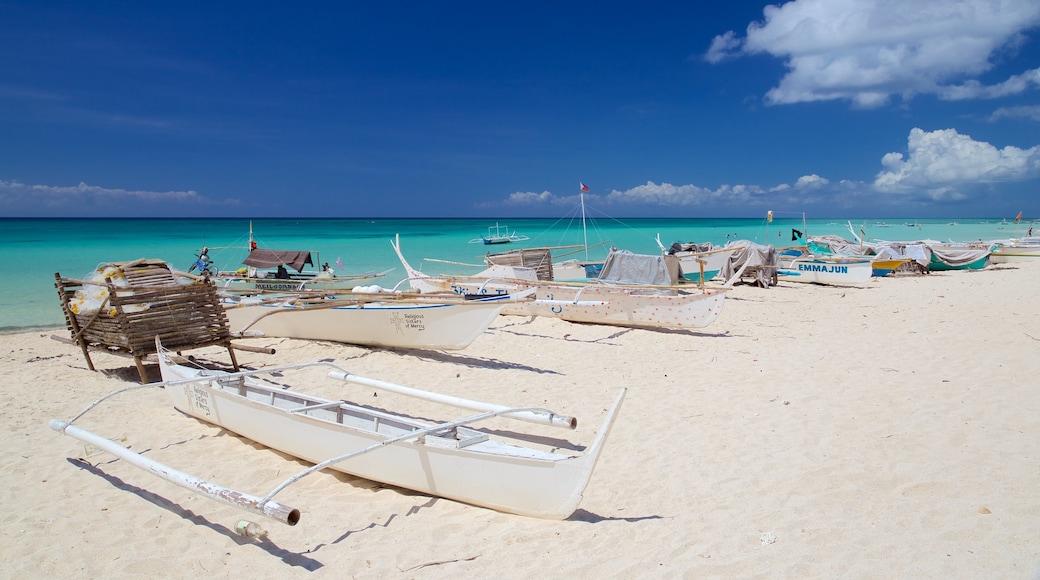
x: 250, y: 503
x: 543, y: 417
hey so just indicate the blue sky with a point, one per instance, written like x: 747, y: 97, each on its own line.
x: 836, y: 108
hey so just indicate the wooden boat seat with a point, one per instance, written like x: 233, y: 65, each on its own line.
x: 149, y: 303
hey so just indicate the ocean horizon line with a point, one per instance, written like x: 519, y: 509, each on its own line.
x: 662, y: 218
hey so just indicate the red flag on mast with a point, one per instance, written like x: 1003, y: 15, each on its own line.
x: 583, y: 186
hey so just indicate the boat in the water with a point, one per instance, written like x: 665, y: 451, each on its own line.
x: 498, y: 234
x: 388, y: 320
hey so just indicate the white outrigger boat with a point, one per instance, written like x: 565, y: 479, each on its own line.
x: 264, y: 270
x: 617, y: 304
x: 450, y: 460
x: 496, y: 236
x: 830, y: 270
x: 444, y: 323
x: 251, y: 279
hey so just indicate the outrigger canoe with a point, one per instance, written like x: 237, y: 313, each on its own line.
x: 433, y: 323
x: 451, y: 459
x: 831, y: 270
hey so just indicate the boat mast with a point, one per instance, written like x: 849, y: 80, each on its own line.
x: 584, y: 232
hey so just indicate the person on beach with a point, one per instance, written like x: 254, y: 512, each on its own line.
x: 203, y: 261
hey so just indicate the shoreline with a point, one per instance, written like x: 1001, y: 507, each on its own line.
x: 888, y: 430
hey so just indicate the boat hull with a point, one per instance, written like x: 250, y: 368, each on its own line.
x: 1015, y: 254
x: 616, y: 305
x: 448, y: 326
x: 595, y: 304
x: 246, y: 285
x: 838, y: 271
x: 882, y: 268
x: 464, y: 465
x: 937, y: 265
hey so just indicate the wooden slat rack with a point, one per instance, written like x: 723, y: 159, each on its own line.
x: 153, y: 303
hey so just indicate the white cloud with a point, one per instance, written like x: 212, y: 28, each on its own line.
x: 938, y: 167
x: 529, y: 198
x: 812, y: 181
x: 14, y: 194
x: 975, y: 90
x: 723, y: 47
x: 868, y: 50
x: 940, y: 164
x: 671, y: 195
x: 1026, y: 112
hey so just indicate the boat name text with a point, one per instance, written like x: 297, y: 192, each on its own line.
x: 826, y: 268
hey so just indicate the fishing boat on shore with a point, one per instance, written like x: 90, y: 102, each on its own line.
x: 1012, y: 250
x: 390, y: 320
x: 700, y: 262
x: 265, y: 270
x: 269, y: 270
x: 814, y: 263
x: 799, y: 265
x: 511, y: 473
x: 611, y: 299
x: 959, y: 256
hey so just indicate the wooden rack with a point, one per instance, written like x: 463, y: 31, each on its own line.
x: 183, y: 316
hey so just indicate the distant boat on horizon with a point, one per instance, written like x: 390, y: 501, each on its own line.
x: 495, y: 235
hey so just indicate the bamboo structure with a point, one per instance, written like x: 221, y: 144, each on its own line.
x: 151, y: 303
x: 540, y: 259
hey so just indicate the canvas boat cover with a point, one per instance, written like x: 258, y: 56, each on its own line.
x: 958, y: 257
x: 842, y: 247
x: 262, y: 258
x: 751, y: 259
x: 622, y: 266
x: 920, y: 252
x: 691, y: 247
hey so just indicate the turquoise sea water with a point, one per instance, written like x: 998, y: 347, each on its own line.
x: 35, y: 249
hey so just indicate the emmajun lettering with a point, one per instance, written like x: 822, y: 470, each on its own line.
x: 826, y: 268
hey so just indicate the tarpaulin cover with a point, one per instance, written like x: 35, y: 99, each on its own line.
x: 259, y: 258
x: 626, y: 267
x: 751, y: 259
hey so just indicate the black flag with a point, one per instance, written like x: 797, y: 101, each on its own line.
x: 795, y: 235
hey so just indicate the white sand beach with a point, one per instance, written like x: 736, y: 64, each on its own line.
x: 891, y: 430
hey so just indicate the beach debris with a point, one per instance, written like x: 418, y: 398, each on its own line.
x: 441, y: 562
x: 90, y: 449
x: 767, y: 538
x: 984, y: 510
x: 248, y: 529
